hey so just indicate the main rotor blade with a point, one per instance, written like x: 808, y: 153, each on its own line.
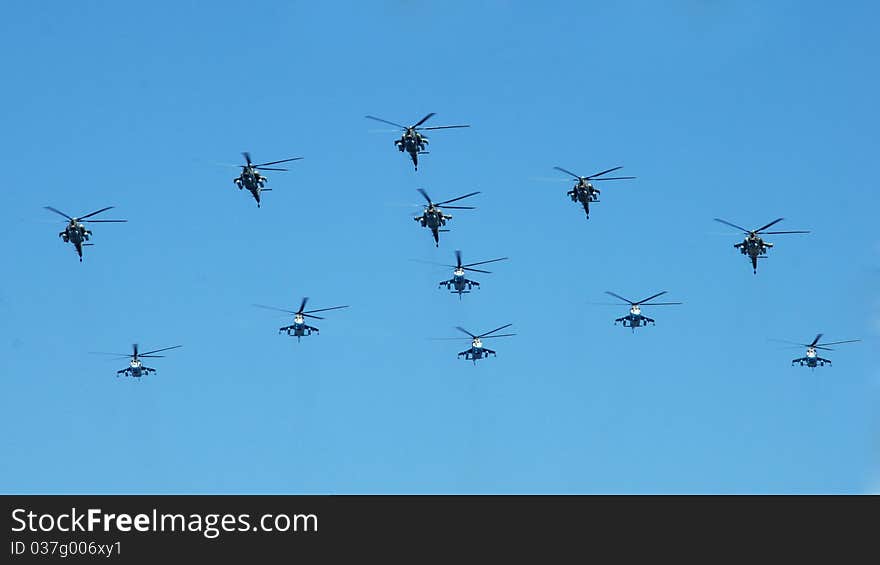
x: 494, y: 336
x: 616, y: 178
x: 105, y: 221
x: 459, y: 207
x: 271, y: 169
x: 273, y: 308
x: 385, y: 121
x: 325, y: 309
x: 151, y: 356
x: 310, y: 316
x: 57, y: 212
x: 659, y: 303
x: 816, y: 340
x: 604, y: 172
x: 837, y: 342
x: 95, y: 212
x: 458, y: 258
x: 495, y: 330
x: 134, y: 348
x: 779, y: 232
x: 475, y: 270
x: 568, y: 172
x: 732, y: 225
x: 484, y: 262
x: 302, y: 306
x: 158, y: 350
x: 461, y: 329
x: 444, y: 127
x: 790, y: 342
x: 768, y: 225
x: 459, y: 198
x: 423, y: 120
x: 620, y: 297
x: 276, y: 162
x: 433, y: 263
x: 650, y: 297
x: 247, y: 157
x: 425, y: 194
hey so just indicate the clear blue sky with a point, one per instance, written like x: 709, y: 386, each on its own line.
x: 742, y: 110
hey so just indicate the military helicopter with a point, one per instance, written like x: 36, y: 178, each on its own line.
x: 299, y: 328
x: 75, y: 232
x: 135, y: 367
x: 459, y: 283
x: 635, y: 318
x: 476, y: 350
x: 251, y: 179
x: 812, y: 359
x: 753, y: 245
x: 584, y: 192
x: 412, y: 141
x: 433, y: 217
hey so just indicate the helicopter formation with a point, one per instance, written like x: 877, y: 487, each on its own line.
x: 433, y: 217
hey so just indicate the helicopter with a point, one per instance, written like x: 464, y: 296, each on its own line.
x: 753, y: 245
x: 135, y: 367
x: 433, y: 217
x: 75, y: 232
x: 299, y: 328
x: 476, y: 350
x: 459, y: 283
x: 584, y: 192
x: 412, y: 141
x: 812, y: 359
x: 251, y: 179
x: 635, y: 316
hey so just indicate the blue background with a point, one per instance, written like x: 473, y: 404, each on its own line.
x: 741, y: 110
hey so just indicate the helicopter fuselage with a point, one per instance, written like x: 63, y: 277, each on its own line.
x: 811, y: 359
x: 299, y: 328
x: 459, y: 282
x: 584, y: 193
x: 135, y: 369
x: 754, y: 247
x: 476, y: 351
x: 413, y: 143
x: 634, y: 319
x: 252, y: 180
x: 433, y: 218
x: 76, y: 234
